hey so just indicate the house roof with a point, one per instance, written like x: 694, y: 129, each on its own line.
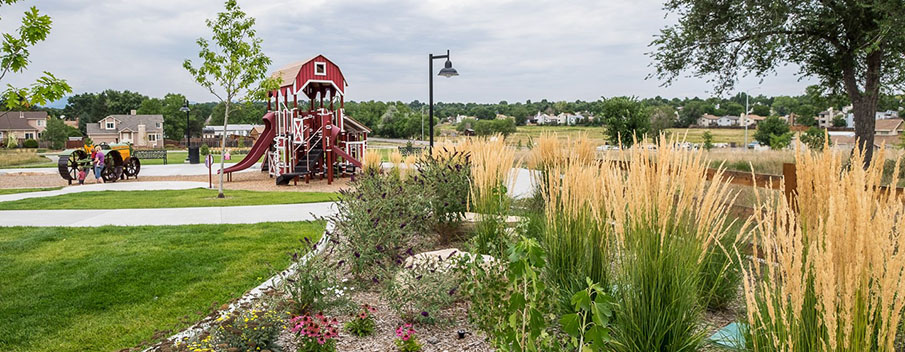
x: 849, y: 140
x: 128, y: 122
x: 18, y: 120
x: 756, y: 117
x: 731, y: 117
x: 888, y: 125
x: 710, y: 117
x: 356, y: 124
x: 288, y: 73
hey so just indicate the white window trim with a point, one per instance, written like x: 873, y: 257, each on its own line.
x: 152, y: 137
x: 110, y: 125
x: 320, y: 64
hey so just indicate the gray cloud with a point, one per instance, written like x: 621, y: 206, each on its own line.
x: 504, y: 49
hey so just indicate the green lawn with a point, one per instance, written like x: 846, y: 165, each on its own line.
x: 197, y: 197
x: 108, y: 288
x: 26, y: 190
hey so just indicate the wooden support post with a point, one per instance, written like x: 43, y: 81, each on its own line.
x: 790, y: 179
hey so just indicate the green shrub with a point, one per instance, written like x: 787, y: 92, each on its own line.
x: 30, y: 143
x: 315, y: 285
x: 245, y: 329
x: 380, y: 217
x: 446, y: 177
x: 205, y: 150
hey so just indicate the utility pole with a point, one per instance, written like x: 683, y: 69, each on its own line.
x: 746, y: 121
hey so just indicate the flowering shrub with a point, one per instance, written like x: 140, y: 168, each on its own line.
x: 253, y: 329
x: 379, y: 219
x: 446, y: 176
x: 406, y: 340
x: 423, y: 289
x: 362, y: 324
x: 314, y: 333
x: 315, y: 285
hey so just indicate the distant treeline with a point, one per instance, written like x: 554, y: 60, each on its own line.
x: 404, y: 120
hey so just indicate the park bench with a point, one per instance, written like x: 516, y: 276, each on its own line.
x: 152, y: 154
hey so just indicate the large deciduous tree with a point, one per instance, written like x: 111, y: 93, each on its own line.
x: 233, y: 66
x: 14, y: 58
x: 624, y: 120
x: 854, y: 46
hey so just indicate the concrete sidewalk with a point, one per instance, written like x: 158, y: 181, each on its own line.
x: 125, y: 186
x: 167, y: 216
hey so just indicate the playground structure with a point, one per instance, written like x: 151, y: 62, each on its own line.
x: 309, y: 137
x: 119, y: 162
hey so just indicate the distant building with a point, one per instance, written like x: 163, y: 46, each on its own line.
x: 22, y: 124
x: 543, y: 119
x: 708, y: 120
x: 750, y: 120
x: 881, y: 115
x: 889, y: 127
x: 214, y: 131
x: 727, y: 121
x: 140, y: 130
x: 825, y: 118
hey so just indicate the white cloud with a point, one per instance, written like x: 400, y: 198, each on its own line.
x: 504, y: 49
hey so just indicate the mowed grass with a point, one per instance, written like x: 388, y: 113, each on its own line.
x: 197, y: 197
x: 26, y: 190
x: 108, y: 288
x: 598, y: 134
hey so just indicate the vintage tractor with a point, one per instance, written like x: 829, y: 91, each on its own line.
x: 119, y: 161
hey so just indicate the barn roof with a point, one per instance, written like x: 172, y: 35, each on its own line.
x: 289, y: 73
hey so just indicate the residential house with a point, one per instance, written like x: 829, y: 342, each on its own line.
x: 569, y: 119
x: 707, y: 120
x: 889, y: 127
x: 727, y: 121
x: 140, y: 130
x: 22, y: 124
x: 825, y: 118
x: 881, y: 115
x: 750, y: 120
x: 215, y: 131
x: 543, y: 119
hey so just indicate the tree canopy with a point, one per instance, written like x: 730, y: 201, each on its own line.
x: 850, y: 46
x: 14, y: 57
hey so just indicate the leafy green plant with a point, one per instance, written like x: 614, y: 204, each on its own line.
x: 30, y: 143
x: 362, y: 323
x: 406, y: 341
x: 205, y: 150
x: 509, y: 301
x: 814, y: 138
x: 589, y: 325
x: 421, y: 290
x: 314, y: 286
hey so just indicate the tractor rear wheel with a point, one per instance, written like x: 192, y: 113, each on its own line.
x: 111, y: 173
x: 68, y: 165
x: 132, y: 167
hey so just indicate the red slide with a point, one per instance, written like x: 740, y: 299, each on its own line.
x: 339, y: 151
x: 260, y: 146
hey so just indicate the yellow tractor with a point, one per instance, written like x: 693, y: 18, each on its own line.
x: 119, y: 162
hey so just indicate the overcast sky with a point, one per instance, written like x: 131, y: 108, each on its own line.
x: 503, y: 49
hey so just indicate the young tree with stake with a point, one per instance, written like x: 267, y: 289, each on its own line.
x: 233, y: 65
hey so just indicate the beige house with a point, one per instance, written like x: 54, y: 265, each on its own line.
x: 140, y: 130
x: 22, y: 124
x: 889, y: 127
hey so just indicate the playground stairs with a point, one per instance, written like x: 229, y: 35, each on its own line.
x: 305, y: 166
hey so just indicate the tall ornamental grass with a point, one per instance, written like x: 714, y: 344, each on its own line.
x: 491, y: 175
x: 666, y: 219
x: 576, y: 235
x: 832, y: 274
x: 551, y: 153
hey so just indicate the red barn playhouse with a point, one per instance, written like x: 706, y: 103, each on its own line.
x: 311, y: 137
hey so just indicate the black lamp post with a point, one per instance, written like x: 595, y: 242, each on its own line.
x: 447, y: 71
x: 185, y: 108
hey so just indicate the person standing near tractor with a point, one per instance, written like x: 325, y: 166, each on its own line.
x: 98, y: 164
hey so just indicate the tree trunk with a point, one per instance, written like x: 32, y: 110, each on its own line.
x: 864, y: 104
x: 223, y: 148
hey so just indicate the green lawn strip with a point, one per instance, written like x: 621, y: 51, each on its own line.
x: 26, y: 190
x: 108, y: 288
x: 197, y: 197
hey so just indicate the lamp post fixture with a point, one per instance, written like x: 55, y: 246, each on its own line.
x: 446, y: 71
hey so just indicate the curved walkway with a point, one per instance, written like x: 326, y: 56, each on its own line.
x: 162, y: 216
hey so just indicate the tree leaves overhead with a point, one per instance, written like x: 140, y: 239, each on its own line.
x: 14, y: 57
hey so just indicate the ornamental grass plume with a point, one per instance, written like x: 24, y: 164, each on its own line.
x: 372, y: 161
x: 492, y: 173
x: 833, y: 272
x: 667, y: 218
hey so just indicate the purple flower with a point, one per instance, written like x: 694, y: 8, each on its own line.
x: 357, y: 255
x: 402, y: 226
x: 379, y: 248
x: 424, y: 314
x: 452, y: 291
x: 409, y: 251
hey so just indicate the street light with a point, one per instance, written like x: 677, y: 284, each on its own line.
x: 447, y: 71
x: 185, y: 108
